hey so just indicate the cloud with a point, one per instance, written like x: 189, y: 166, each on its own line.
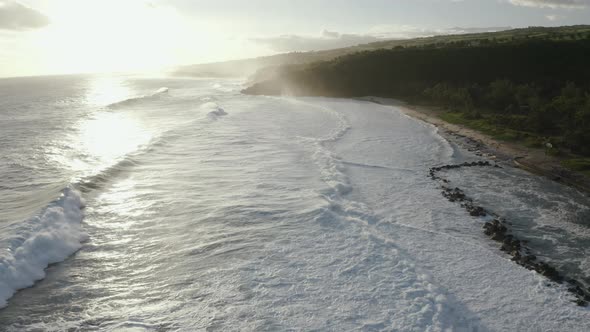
x: 555, y: 17
x: 16, y: 16
x: 407, y: 31
x: 567, y: 4
x: 332, y: 39
x: 327, y: 40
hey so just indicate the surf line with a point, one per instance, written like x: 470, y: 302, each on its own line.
x: 499, y: 230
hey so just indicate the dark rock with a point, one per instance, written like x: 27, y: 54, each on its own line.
x: 453, y: 195
x: 516, y: 258
x: 508, y: 246
x: 577, y: 290
x: 476, y: 211
x: 498, y: 237
x: 548, y: 271
x: 497, y: 230
x: 528, y: 259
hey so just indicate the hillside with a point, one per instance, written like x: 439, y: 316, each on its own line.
x: 248, y: 67
x: 532, y: 89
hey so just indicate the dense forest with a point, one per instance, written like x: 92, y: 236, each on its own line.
x: 267, y: 64
x: 536, y: 87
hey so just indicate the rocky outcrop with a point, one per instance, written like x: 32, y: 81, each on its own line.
x: 499, y: 230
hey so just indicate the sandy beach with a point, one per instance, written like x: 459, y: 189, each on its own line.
x: 530, y: 159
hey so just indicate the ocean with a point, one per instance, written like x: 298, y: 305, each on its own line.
x: 131, y: 203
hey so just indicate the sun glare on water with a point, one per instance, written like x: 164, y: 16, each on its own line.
x: 105, y: 136
x: 109, y: 136
x: 104, y: 90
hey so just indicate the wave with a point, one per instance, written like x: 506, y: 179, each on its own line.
x: 55, y: 233
x: 98, y: 180
x: 163, y: 91
x: 52, y: 235
x: 48, y: 238
x: 214, y: 111
x: 227, y: 87
x: 341, y: 207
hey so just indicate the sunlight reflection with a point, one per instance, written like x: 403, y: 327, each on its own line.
x: 122, y: 197
x: 102, y: 138
x: 109, y: 136
x: 106, y: 90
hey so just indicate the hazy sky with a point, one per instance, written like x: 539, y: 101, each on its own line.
x: 65, y: 36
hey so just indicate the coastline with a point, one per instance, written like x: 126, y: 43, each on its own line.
x: 497, y: 228
x: 530, y: 159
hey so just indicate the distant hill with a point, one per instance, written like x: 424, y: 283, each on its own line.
x: 264, y: 66
x: 528, y: 87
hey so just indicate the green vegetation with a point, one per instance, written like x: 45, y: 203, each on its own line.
x: 488, y: 127
x: 534, y: 90
x: 515, y: 112
x: 581, y: 165
x: 265, y: 65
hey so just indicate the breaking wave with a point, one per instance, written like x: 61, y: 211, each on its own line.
x: 163, y: 91
x: 214, y: 111
x: 48, y: 238
x: 52, y: 235
x: 27, y: 248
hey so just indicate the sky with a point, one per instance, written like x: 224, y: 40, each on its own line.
x: 40, y: 37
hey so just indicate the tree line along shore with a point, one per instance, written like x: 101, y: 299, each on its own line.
x: 534, y: 91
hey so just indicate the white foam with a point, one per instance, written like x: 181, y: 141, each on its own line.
x: 227, y: 86
x: 422, y: 302
x: 47, y: 238
x: 213, y: 110
x: 209, y: 105
x: 330, y: 165
x: 135, y: 100
x: 319, y: 217
x: 161, y: 91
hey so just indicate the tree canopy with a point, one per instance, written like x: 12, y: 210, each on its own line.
x: 538, y: 86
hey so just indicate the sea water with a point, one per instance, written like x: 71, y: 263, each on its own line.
x: 137, y: 203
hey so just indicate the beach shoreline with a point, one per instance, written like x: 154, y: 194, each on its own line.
x: 533, y: 160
